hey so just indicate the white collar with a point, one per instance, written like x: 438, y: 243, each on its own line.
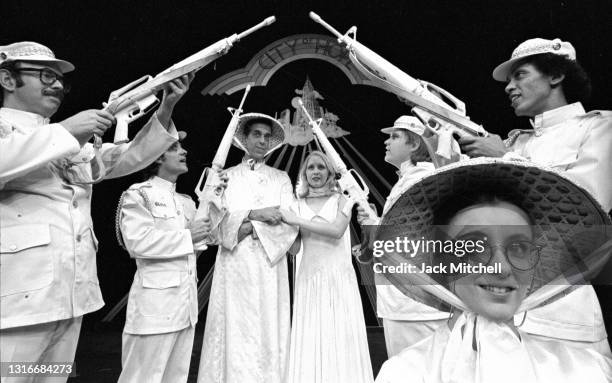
x: 23, y: 118
x: 407, y: 167
x: 556, y: 116
x: 252, y: 163
x: 162, y: 183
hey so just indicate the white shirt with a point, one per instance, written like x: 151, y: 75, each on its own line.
x: 580, y: 145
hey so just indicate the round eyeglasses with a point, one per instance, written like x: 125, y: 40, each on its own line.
x: 48, y: 77
x: 522, y: 255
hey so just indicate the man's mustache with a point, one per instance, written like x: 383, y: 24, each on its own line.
x: 56, y: 93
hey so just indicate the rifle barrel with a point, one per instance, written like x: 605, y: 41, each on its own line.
x: 319, y: 20
x: 264, y: 23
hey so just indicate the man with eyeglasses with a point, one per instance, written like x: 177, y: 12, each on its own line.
x: 48, y: 250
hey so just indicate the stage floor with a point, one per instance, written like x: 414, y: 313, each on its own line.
x: 98, y: 358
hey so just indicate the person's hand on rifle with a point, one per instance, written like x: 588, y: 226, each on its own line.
x: 362, y: 215
x: 200, y: 229
x: 224, y: 178
x: 490, y: 146
x: 85, y: 124
x: 173, y: 91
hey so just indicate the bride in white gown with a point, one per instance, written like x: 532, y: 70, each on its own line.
x: 328, y: 334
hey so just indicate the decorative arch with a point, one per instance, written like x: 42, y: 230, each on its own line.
x: 274, y: 56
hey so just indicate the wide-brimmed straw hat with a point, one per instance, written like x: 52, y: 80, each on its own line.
x: 533, y: 47
x: 569, y: 225
x: 277, y: 135
x: 34, y: 52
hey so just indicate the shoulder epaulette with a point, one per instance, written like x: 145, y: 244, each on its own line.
x: 185, y: 195
x: 140, y: 187
x: 603, y: 113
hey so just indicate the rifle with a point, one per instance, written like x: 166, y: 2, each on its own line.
x: 210, y: 195
x: 431, y: 103
x: 138, y: 98
x: 347, y: 182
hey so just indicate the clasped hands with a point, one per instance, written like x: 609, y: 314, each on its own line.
x: 273, y: 215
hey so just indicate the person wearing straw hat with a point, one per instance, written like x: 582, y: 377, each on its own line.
x: 496, y: 237
x: 246, y: 337
x: 155, y: 224
x: 48, y: 250
x: 405, y: 321
x: 546, y: 83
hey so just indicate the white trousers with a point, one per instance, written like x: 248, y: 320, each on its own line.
x: 40, y: 343
x: 400, y: 334
x: 156, y: 358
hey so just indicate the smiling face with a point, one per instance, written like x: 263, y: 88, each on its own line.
x: 531, y: 92
x: 496, y: 296
x: 317, y: 173
x: 33, y: 96
x: 258, y: 140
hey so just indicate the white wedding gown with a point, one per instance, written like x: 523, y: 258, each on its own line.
x: 328, y: 334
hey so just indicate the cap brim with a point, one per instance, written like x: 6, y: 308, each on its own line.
x: 501, y: 72
x: 63, y: 65
x: 390, y: 130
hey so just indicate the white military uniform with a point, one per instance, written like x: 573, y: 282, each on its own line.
x: 48, y: 276
x: 580, y: 145
x: 162, y: 308
x: 405, y: 320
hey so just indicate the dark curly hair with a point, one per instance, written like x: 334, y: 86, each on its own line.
x: 576, y: 84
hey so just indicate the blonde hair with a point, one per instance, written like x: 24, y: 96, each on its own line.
x: 301, y: 187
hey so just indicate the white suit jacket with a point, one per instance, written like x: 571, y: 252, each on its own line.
x: 48, y: 247
x: 154, y: 222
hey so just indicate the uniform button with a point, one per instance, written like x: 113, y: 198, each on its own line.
x: 13, y: 247
x: 78, y: 238
x: 75, y: 204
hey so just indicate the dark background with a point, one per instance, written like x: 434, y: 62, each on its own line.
x: 454, y: 44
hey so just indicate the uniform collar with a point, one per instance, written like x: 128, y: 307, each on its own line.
x: 407, y: 167
x: 557, y: 116
x: 23, y: 118
x: 162, y: 183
